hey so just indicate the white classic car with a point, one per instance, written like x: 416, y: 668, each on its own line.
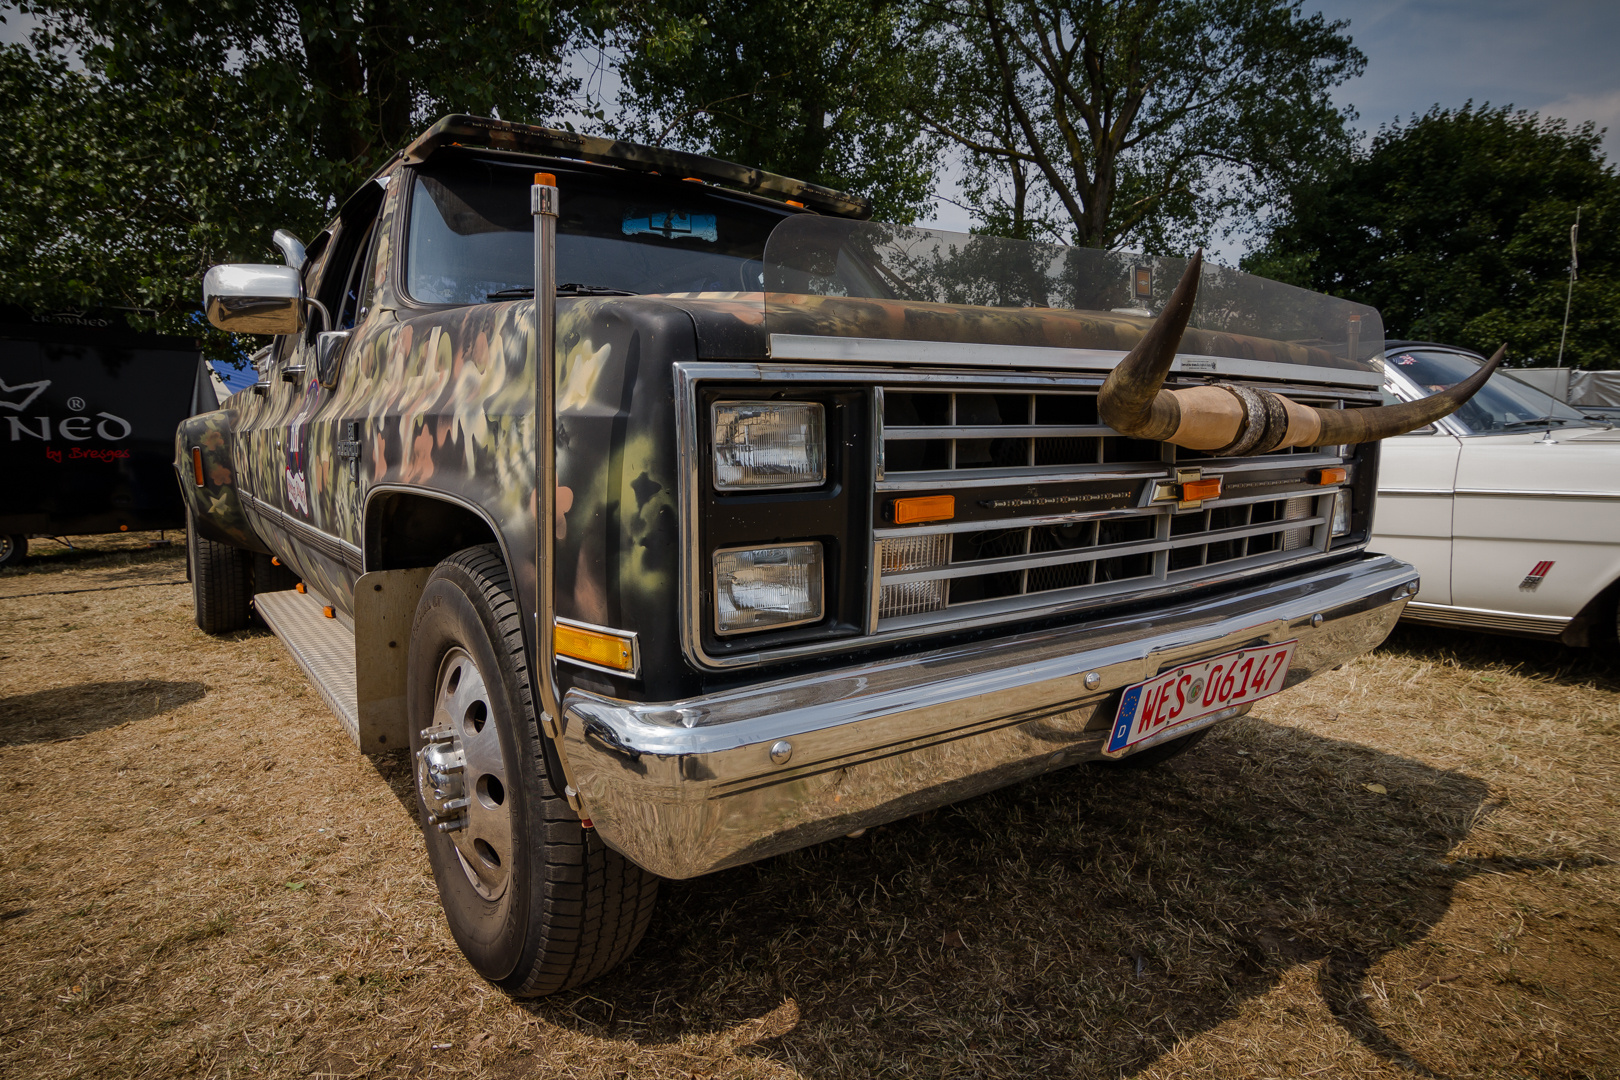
x: 1510, y: 507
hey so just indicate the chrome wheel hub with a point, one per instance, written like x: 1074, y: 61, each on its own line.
x: 461, y: 775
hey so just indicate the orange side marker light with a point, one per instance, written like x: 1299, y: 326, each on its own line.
x: 299, y: 586
x: 328, y: 612
x: 1198, y: 490
x: 594, y: 647
x: 924, y: 508
x: 1325, y: 477
x: 545, y: 179
x: 196, y: 464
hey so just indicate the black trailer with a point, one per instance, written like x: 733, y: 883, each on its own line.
x: 88, y: 410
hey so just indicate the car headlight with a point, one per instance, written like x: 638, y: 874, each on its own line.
x: 769, y: 444
x: 761, y: 588
x: 1341, y: 513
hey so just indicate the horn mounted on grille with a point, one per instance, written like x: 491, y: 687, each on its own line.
x: 1226, y: 420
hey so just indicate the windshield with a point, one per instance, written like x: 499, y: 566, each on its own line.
x: 832, y: 276
x: 471, y: 237
x: 1502, y: 404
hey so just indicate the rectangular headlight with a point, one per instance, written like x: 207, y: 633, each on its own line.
x: 769, y: 444
x: 761, y: 588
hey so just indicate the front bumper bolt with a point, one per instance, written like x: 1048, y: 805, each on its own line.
x: 1093, y: 680
x: 781, y: 751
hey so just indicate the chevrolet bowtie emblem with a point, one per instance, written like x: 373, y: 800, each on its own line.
x: 1189, y: 490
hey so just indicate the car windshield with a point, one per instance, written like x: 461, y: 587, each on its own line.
x: 1502, y: 404
x: 471, y: 237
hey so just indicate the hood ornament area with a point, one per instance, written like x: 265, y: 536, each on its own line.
x: 1224, y: 420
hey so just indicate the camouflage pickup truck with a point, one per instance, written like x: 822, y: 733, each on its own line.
x: 674, y: 516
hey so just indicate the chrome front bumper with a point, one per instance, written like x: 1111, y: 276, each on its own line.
x: 686, y: 787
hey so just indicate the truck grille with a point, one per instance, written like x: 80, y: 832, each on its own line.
x: 1031, y: 557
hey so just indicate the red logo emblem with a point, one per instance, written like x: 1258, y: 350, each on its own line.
x: 1535, y: 576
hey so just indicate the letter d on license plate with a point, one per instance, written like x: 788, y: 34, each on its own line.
x: 1174, y: 700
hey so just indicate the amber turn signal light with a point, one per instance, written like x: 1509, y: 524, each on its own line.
x: 196, y: 464
x: 924, y: 508
x: 328, y: 612
x: 1324, y: 477
x: 545, y: 179
x: 1199, y: 490
x: 594, y: 647
x: 299, y: 586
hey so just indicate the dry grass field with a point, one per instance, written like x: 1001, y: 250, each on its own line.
x: 1408, y: 867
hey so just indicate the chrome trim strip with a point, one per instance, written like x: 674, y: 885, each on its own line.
x: 333, y: 547
x: 1000, y: 431
x: 613, y: 631
x: 1486, y: 619
x: 892, y: 352
x: 686, y: 787
x: 1427, y: 492
x: 1509, y: 493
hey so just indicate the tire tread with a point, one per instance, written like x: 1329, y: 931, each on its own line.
x: 595, y: 904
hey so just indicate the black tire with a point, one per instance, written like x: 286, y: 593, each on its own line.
x: 271, y: 576
x: 1157, y: 755
x: 220, y: 582
x: 13, y: 549
x: 557, y: 908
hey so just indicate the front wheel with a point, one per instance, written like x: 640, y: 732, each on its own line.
x: 536, y: 901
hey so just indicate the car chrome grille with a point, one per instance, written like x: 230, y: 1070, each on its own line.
x: 1035, y: 559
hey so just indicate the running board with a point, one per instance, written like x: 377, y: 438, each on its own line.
x: 323, y: 647
x: 360, y: 674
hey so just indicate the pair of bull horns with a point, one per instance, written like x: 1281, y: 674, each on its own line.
x: 1226, y: 420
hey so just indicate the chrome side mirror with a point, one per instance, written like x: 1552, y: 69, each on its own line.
x: 292, y: 248
x: 254, y: 298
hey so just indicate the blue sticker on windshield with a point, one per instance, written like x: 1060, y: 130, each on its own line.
x: 672, y: 225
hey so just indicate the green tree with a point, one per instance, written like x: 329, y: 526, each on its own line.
x: 1108, y: 123
x: 1456, y: 225
x: 148, y: 139
x: 816, y: 92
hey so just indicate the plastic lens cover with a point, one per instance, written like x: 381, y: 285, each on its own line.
x: 769, y: 444
x: 759, y: 588
x: 1341, y: 513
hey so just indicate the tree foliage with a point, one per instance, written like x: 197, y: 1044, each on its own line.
x: 817, y: 92
x: 1132, y: 122
x: 149, y: 139
x: 1456, y: 225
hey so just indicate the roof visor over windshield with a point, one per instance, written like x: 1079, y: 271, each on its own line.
x: 855, y: 279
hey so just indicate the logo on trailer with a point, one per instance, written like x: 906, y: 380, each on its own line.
x: 1535, y: 576
x: 13, y: 397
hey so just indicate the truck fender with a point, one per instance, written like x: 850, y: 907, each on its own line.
x: 215, y: 506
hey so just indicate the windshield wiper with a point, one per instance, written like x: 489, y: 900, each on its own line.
x: 1537, y: 422
x: 572, y: 288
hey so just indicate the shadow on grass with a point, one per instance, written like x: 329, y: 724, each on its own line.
x: 1079, y: 924
x: 90, y: 557
x: 1550, y: 660
x: 66, y: 712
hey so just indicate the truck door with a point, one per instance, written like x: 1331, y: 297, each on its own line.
x: 320, y: 495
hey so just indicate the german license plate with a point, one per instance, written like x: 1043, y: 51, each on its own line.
x: 1177, y: 699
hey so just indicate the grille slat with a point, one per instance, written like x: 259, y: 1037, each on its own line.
x: 946, y: 440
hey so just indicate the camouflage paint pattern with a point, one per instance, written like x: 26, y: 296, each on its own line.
x: 215, y: 508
